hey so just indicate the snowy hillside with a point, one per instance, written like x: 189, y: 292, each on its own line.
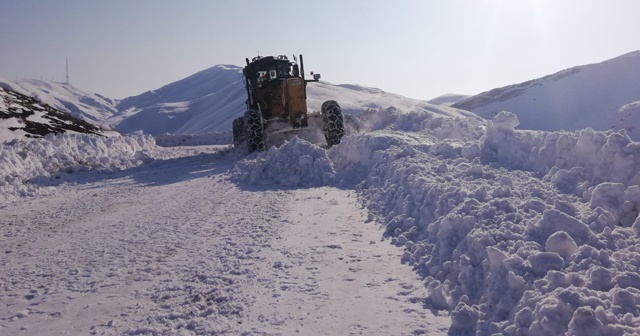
x: 448, y: 99
x: 572, y: 99
x: 80, y: 103
x: 22, y: 117
x: 511, y: 232
x: 355, y: 99
x: 209, y: 100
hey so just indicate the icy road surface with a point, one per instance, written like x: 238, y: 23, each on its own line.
x: 175, y: 247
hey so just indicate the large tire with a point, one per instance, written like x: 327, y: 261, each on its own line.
x: 239, y: 131
x: 254, y: 131
x: 333, y: 122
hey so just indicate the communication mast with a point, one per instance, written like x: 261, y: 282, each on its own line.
x: 66, y: 78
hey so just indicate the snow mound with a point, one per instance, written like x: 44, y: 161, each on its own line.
x: 296, y: 163
x: 628, y: 118
x: 24, y: 162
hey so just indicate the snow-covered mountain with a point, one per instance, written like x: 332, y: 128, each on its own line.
x: 22, y: 116
x: 82, y: 104
x: 209, y: 100
x: 204, y: 102
x: 601, y: 96
x: 595, y: 95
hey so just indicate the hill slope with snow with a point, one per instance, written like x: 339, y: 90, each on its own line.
x: 204, y: 102
x: 448, y: 99
x: 572, y: 99
x: 209, y: 100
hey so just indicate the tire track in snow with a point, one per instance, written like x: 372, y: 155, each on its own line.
x: 330, y: 274
x: 142, y: 254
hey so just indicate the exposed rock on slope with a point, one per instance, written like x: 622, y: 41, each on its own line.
x: 24, y: 117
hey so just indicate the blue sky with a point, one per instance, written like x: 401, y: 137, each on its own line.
x: 420, y: 49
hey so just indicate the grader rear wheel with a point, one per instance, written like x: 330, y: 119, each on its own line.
x: 239, y: 131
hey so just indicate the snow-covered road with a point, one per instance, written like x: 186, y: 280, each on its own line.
x: 175, y: 247
x: 512, y: 232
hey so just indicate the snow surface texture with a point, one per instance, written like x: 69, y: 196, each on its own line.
x: 572, y: 99
x: 175, y: 247
x: 515, y: 232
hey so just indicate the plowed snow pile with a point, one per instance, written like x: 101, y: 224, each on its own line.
x: 25, y: 161
x: 515, y: 232
x: 296, y: 163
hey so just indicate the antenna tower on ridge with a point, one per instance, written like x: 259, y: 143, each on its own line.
x: 66, y: 78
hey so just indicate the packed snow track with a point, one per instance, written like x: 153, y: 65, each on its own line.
x: 175, y: 247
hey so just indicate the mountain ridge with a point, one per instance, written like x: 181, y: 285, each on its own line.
x: 209, y: 101
x: 600, y: 96
x: 576, y: 98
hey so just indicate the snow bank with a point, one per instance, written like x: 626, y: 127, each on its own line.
x: 504, y: 250
x: 22, y: 162
x: 575, y: 162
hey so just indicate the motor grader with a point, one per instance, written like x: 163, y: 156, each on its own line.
x: 277, y: 105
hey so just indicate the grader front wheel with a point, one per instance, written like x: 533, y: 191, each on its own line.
x: 254, y: 131
x: 333, y: 122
